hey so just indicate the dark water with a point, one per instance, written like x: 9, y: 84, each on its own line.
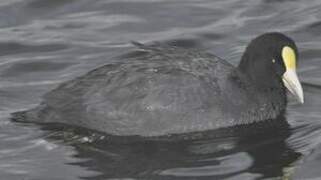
x: 45, y: 42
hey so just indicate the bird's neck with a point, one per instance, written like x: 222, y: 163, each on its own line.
x: 267, y: 101
x: 265, y: 83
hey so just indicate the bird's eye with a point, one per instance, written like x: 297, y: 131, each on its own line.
x: 273, y: 60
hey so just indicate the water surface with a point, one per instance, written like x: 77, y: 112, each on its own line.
x: 46, y: 42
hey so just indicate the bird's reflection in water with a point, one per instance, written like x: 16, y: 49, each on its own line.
x: 254, y: 151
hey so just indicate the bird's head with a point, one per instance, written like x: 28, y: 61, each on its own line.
x: 270, y: 60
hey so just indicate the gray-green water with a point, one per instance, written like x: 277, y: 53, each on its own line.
x: 45, y: 42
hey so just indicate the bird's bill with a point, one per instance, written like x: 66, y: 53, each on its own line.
x: 292, y: 83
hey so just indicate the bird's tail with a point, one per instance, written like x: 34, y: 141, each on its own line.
x: 31, y: 116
